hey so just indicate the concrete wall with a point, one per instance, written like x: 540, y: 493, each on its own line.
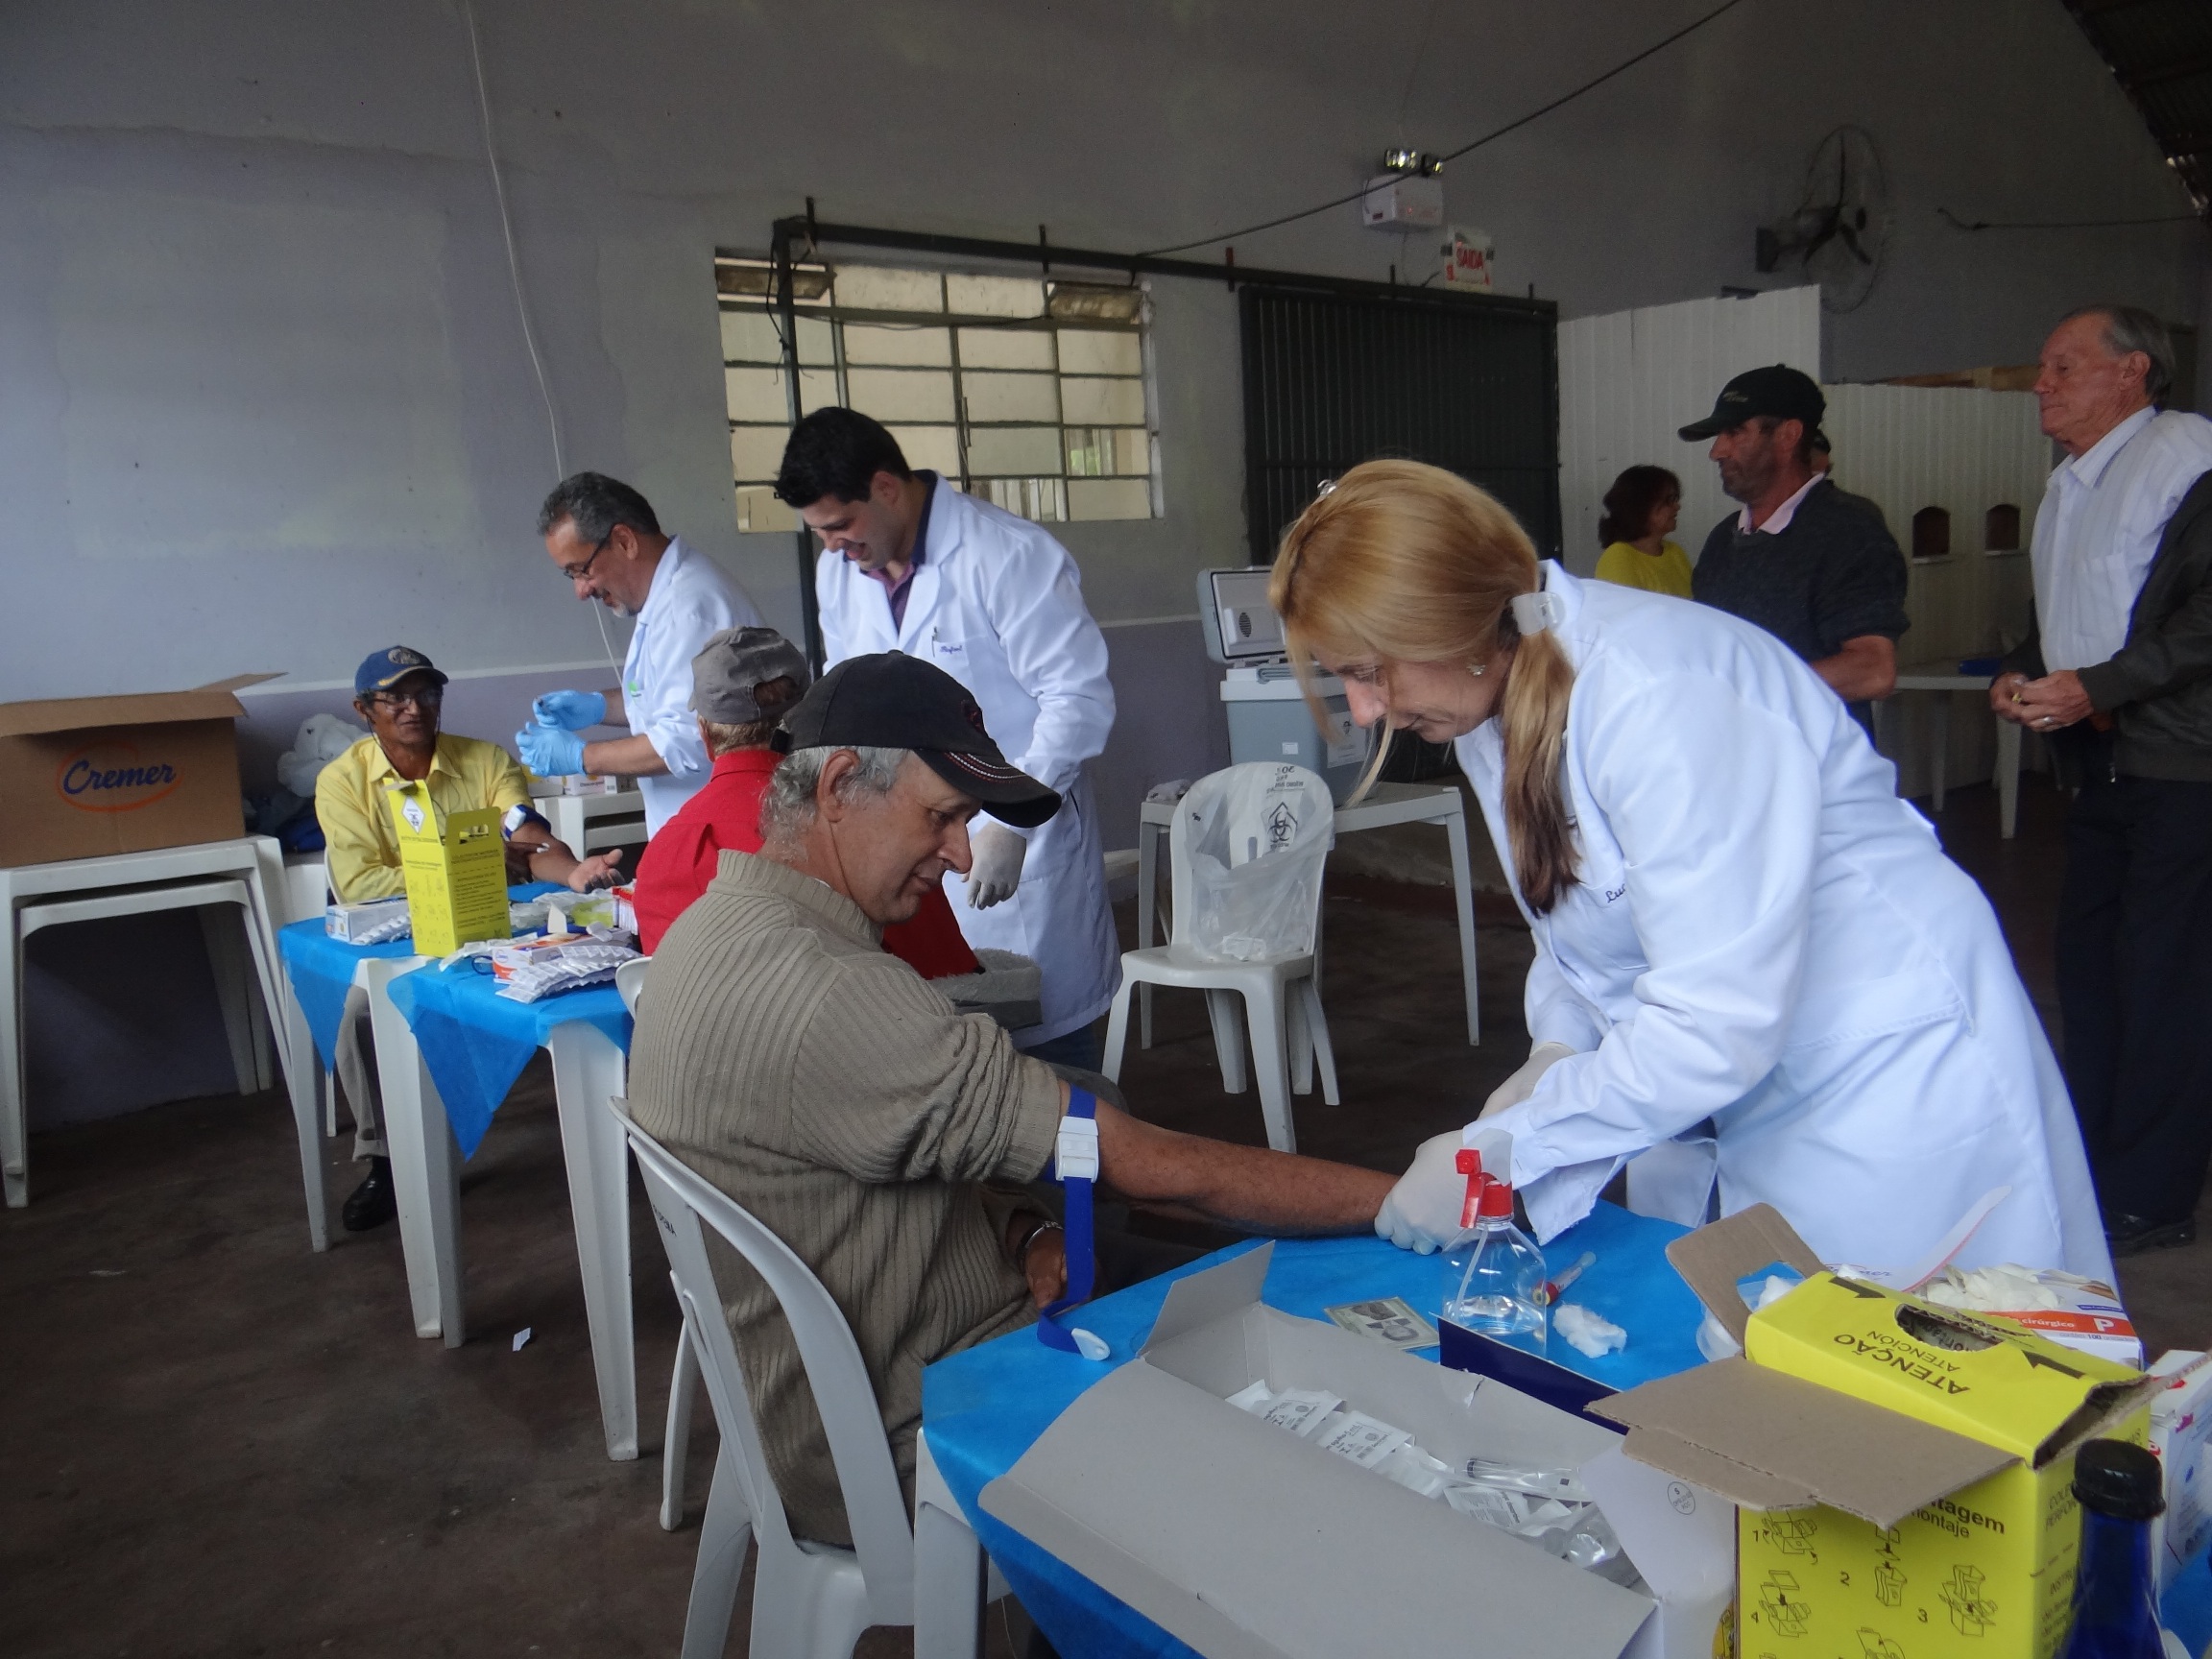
x: 265, y: 403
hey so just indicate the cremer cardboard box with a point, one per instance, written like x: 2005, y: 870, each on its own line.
x: 88, y: 777
x: 1246, y: 1542
x: 1904, y: 1470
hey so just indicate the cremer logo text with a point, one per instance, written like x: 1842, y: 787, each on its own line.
x: 111, y: 778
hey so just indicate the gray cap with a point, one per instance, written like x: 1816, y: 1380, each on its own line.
x: 736, y: 663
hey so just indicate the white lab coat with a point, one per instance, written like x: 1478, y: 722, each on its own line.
x: 690, y: 600
x: 1764, y: 935
x: 997, y: 604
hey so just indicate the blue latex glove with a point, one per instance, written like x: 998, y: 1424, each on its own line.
x: 548, y: 750
x: 570, y: 710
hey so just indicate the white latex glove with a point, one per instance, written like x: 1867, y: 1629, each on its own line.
x: 1522, y: 1083
x: 1422, y: 1212
x: 996, y: 854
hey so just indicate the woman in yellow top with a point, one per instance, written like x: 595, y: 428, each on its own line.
x: 1641, y: 509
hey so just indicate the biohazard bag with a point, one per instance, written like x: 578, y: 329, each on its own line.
x: 1254, y: 839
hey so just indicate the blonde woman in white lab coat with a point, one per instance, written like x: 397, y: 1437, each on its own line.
x: 1737, y: 921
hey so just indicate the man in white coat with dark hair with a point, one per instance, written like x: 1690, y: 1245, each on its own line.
x: 910, y: 564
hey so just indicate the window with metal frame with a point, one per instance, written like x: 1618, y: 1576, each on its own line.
x: 1033, y: 393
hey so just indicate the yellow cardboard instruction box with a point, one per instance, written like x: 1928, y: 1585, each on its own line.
x: 1904, y: 1471
x: 456, y: 869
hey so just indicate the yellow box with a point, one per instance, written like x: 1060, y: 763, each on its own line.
x: 455, y: 867
x: 1905, y: 1470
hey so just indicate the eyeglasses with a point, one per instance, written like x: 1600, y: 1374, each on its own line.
x: 577, y: 572
x: 429, y: 697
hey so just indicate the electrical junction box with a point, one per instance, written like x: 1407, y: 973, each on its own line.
x: 1402, y: 201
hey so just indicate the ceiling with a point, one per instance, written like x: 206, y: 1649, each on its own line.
x: 2160, y: 52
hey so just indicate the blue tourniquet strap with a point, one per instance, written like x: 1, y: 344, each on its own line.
x: 1075, y: 1167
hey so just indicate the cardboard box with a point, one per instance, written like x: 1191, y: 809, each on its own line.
x: 456, y: 871
x: 90, y: 777
x: 1905, y: 1470
x: 2181, y: 1427
x: 1241, y: 1539
x: 358, y: 923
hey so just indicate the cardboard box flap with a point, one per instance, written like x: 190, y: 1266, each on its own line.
x: 146, y: 709
x: 1714, y: 1258
x: 1213, y: 1294
x: 1796, y: 1438
x: 1244, y: 1542
x: 239, y: 682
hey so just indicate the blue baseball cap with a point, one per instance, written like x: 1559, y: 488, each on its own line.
x: 386, y: 669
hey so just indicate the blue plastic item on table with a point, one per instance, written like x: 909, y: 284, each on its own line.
x: 322, y: 968
x: 476, y: 1041
x: 983, y: 1409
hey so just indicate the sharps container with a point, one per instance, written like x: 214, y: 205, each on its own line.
x: 1268, y: 718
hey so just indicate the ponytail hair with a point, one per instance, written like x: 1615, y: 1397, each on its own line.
x: 1407, y: 563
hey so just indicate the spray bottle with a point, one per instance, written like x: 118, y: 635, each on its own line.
x: 1493, y: 1275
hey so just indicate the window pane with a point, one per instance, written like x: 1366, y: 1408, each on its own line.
x: 758, y: 508
x: 751, y: 337
x: 1100, y: 351
x: 756, y: 452
x: 1005, y: 348
x: 1109, y: 498
x: 1040, y: 499
x: 1103, y: 402
x: 1013, y: 449
x: 878, y: 288
x: 936, y: 447
x: 1102, y: 451
x: 1011, y: 396
x: 871, y: 342
x: 756, y: 394
x: 901, y: 393
x: 996, y: 296
x: 1133, y: 452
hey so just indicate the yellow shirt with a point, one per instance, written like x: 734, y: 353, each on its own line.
x: 467, y: 774
x: 1631, y: 566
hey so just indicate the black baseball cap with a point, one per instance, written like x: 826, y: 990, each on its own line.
x: 894, y: 701
x: 1785, y: 392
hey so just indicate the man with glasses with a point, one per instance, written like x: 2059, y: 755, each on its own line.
x: 401, y: 694
x: 605, y: 538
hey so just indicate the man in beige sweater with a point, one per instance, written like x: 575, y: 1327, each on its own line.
x: 836, y: 1095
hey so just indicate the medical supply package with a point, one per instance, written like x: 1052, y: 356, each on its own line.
x: 87, y: 777
x: 2181, y: 1427
x: 455, y: 866
x: 2078, y: 1312
x: 1239, y: 1538
x: 372, y: 924
x: 1905, y: 1470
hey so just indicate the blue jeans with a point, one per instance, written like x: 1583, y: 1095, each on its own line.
x: 1081, y: 1049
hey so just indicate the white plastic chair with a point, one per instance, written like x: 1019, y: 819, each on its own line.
x: 307, y: 896
x: 1281, y: 997
x: 808, y: 1598
x: 684, y: 1381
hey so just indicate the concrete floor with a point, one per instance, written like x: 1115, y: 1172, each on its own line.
x: 216, y: 1443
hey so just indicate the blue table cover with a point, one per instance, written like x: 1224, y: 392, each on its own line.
x: 476, y: 1041
x: 985, y: 1407
x: 322, y: 969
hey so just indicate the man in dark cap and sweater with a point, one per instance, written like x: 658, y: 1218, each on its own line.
x: 840, y: 1097
x: 1803, y: 560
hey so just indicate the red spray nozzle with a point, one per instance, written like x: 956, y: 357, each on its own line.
x: 1470, y: 1164
x: 1470, y: 1161
x: 1496, y: 1198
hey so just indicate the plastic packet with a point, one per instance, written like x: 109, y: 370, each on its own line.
x: 1416, y: 1471
x: 1300, y: 1411
x: 1561, y: 1483
x: 1365, y: 1440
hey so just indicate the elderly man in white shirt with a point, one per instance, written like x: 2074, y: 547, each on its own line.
x: 2132, y: 985
x: 604, y: 536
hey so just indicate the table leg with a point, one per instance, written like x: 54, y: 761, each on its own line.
x: 587, y: 1070
x: 425, y: 1161
x: 948, y: 1567
x: 14, y: 1176
x: 1463, y: 902
x: 1147, y: 908
x: 2009, y: 737
x: 1940, y: 747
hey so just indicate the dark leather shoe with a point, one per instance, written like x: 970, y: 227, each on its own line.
x: 372, y: 1203
x: 2132, y: 1235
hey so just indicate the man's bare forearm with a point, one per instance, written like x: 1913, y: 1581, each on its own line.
x: 1866, y: 667
x: 1246, y: 1186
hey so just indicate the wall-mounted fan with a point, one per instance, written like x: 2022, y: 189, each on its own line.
x: 1841, y: 225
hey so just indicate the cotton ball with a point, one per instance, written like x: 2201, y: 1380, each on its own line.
x: 1587, y: 1331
